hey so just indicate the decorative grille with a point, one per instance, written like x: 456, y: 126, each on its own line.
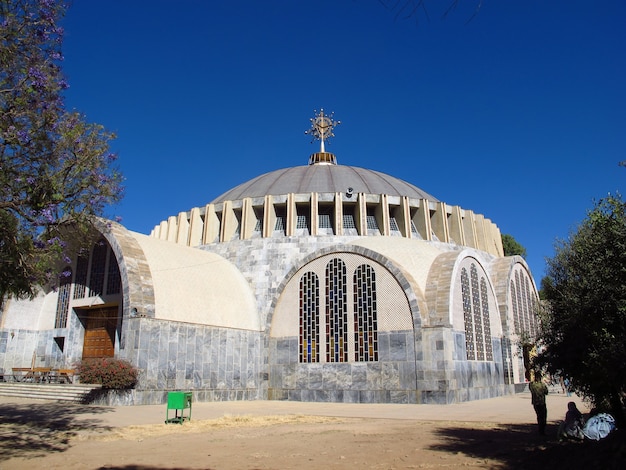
x: 309, y: 317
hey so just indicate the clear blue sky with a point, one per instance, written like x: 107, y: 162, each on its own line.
x: 518, y: 114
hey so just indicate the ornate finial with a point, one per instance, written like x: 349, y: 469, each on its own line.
x: 322, y: 127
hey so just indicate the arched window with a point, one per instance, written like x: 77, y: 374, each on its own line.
x: 365, y: 314
x: 478, y: 318
x: 475, y: 297
x: 309, y: 317
x: 63, y: 301
x: 336, y: 312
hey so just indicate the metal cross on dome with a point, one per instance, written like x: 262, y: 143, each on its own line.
x: 322, y: 127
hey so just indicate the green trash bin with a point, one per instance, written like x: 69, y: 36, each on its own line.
x: 179, y: 402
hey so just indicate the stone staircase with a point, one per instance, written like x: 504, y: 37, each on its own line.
x: 77, y: 393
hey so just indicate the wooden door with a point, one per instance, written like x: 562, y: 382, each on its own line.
x: 100, y: 325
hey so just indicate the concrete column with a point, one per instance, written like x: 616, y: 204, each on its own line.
x: 163, y: 230
x: 195, y: 228
x: 292, y: 216
x: 314, y: 217
x: 361, y: 214
x: 156, y: 231
x: 248, y: 219
x: 403, y: 217
x: 455, y: 226
x: 182, y: 233
x: 439, y: 222
x: 229, y: 222
x: 422, y: 220
x: 269, y: 217
x: 480, y: 232
x: 212, y: 226
x: 338, y: 214
x: 382, y: 215
x: 172, y: 229
x: 469, y: 229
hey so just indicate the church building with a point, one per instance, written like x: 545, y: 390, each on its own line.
x: 319, y: 282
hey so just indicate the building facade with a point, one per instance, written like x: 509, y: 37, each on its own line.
x: 319, y: 282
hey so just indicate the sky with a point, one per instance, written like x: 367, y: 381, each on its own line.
x: 517, y: 111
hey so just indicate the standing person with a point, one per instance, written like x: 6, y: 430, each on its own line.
x: 567, y: 386
x: 538, y: 391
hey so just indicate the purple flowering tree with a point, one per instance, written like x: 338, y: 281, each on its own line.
x: 56, y: 170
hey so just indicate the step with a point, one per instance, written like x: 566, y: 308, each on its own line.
x: 63, y: 392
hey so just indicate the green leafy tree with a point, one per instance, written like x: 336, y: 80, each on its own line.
x: 584, y: 330
x: 56, y: 170
x: 512, y: 247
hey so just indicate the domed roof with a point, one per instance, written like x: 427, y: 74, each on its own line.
x: 323, y: 178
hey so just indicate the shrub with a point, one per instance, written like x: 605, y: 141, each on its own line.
x: 111, y: 373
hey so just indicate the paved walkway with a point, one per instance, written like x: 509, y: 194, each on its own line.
x: 511, y: 409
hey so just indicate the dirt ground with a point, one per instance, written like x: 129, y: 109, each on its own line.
x: 291, y: 442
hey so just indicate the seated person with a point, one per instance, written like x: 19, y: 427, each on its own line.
x: 573, y: 425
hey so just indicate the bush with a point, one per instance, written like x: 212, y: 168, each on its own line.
x: 111, y: 373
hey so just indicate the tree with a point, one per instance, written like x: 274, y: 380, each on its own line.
x: 584, y: 330
x: 56, y: 170
x: 512, y: 247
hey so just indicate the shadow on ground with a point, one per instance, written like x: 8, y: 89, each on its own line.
x: 519, y: 446
x: 142, y: 467
x: 36, y: 429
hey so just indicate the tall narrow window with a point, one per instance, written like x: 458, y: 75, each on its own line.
x: 524, y: 305
x: 63, y: 301
x: 309, y: 317
x: 303, y: 218
x: 80, y: 282
x: 336, y: 312
x: 365, y: 314
x: 325, y: 220
x: 258, y: 224
x: 531, y: 311
x: 98, y: 262
x: 516, y: 319
x: 484, y: 299
x: 467, y: 316
x: 114, y: 281
x: 281, y: 218
x: 349, y: 220
x: 372, y: 223
x: 478, y: 318
x: 520, y: 305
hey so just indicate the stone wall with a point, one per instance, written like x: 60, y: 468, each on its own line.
x: 214, y: 363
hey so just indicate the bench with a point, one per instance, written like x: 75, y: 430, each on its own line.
x: 31, y: 374
x: 62, y: 375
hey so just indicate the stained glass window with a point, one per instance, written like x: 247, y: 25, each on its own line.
x: 63, y: 301
x: 309, y: 317
x: 365, y: 314
x: 336, y: 312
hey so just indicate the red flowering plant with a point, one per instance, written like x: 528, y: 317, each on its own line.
x: 109, y: 372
